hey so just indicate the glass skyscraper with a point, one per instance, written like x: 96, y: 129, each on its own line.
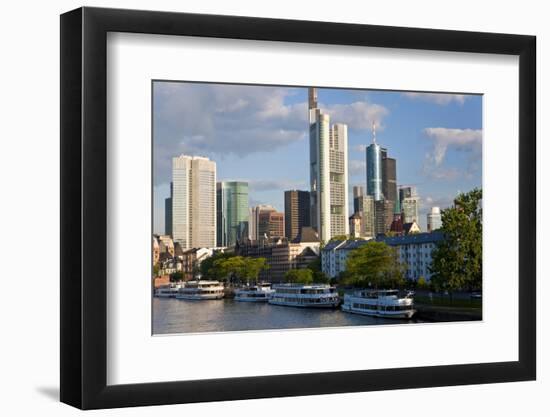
x: 232, y: 212
x: 374, y: 171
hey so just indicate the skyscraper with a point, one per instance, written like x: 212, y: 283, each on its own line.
x: 389, y: 176
x: 434, y: 219
x: 168, y: 212
x: 358, y: 192
x: 194, y: 201
x: 383, y: 216
x: 365, y: 207
x: 271, y: 224
x: 253, y: 219
x: 328, y: 158
x: 297, y: 212
x: 231, y: 212
x: 374, y: 168
x: 410, y: 203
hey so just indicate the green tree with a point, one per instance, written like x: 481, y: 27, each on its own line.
x: 209, y: 271
x: 299, y: 276
x: 231, y: 267
x: 176, y: 276
x: 374, y: 264
x: 318, y: 275
x: 156, y: 270
x: 457, y: 259
x: 252, y: 268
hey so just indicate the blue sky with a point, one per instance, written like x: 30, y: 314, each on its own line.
x: 260, y: 134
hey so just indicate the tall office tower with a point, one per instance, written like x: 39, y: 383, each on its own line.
x: 383, y: 216
x: 358, y: 192
x: 231, y: 212
x: 434, y: 219
x: 328, y: 163
x: 271, y: 224
x: 409, y: 204
x: 389, y: 176
x: 253, y: 219
x: 168, y: 212
x: 406, y: 191
x: 194, y: 201
x: 297, y: 212
x: 355, y: 225
x: 365, y: 207
x: 374, y: 168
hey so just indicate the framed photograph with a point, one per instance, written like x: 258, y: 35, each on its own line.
x: 257, y: 208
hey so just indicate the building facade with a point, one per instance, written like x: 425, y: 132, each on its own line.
x: 232, y: 212
x: 409, y: 208
x: 365, y: 207
x: 383, y: 216
x: 194, y: 201
x: 168, y: 212
x: 297, y: 212
x: 414, y: 251
x: 355, y: 225
x: 328, y: 164
x: 434, y: 219
x: 271, y: 224
x: 253, y: 219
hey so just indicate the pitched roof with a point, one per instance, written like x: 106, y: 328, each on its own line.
x: 416, y: 238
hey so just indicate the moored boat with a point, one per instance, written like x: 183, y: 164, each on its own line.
x: 255, y: 293
x: 201, y: 290
x: 305, y: 295
x: 168, y: 291
x: 379, y: 303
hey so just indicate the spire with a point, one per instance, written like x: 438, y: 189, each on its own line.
x: 373, y: 132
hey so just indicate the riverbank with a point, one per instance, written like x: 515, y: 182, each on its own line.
x: 439, y: 313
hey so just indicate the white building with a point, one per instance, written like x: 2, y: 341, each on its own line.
x: 434, y: 219
x: 414, y: 250
x: 328, y: 157
x: 194, y: 201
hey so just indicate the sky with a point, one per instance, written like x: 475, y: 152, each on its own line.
x: 260, y: 134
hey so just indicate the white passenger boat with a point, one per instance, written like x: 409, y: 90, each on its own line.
x: 254, y: 294
x: 300, y: 295
x: 168, y: 291
x: 201, y: 290
x: 379, y: 303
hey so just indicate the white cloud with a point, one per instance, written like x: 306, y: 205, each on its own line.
x: 442, y: 139
x: 275, y: 185
x: 358, y: 115
x: 357, y: 167
x: 438, y: 98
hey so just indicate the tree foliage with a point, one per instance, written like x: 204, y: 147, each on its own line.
x: 375, y: 264
x: 241, y: 268
x: 457, y: 259
x: 299, y: 276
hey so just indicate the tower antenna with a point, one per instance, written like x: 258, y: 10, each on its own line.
x: 373, y: 132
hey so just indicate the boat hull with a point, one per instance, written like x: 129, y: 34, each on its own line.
x: 198, y: 297
x: 252, y: 299
x: 332, y: 304
x: 406, y: 314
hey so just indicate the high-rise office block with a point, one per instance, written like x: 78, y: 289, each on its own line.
x: 168, y: 212
x: 374, y: 168
x: 355, y: 225
x: 328, y: 157
x: 253, y: 219
x: 271, y: 224
x: 297, y: 212
x: 194, y: 201
x: 358, y: 192
x: 383, y: 216
x: 409, y: 209
x: 365, y: 207
x: 434, y: 219
x: 406, y: 191
x: 231, y: 212
x: 389, y: 177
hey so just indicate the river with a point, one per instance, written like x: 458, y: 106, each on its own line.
x: 171, y: 316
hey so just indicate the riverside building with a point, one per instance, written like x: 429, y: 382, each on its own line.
x: 194, y: 201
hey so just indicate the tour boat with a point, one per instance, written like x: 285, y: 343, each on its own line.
x: 168, y: 291
x: 301, y: 295
x: 255, y: 293
x: 201, y: 290
x: 379, y: 303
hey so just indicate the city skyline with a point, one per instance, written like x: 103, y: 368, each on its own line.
x: 260, y: 135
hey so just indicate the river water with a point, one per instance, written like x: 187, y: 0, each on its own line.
x: 171, y: 315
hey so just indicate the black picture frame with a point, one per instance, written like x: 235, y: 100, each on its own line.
x: 84, y: 207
